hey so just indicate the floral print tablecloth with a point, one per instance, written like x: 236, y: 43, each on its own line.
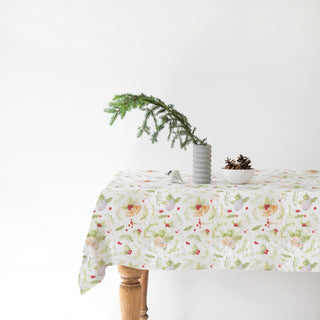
x: 142, y: 220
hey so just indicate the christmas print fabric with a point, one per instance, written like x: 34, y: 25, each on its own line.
x: 144, y: 221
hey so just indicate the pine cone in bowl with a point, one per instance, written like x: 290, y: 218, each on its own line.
x: 238, y: 171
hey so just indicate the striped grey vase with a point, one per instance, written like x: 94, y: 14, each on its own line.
x: 201, y: 164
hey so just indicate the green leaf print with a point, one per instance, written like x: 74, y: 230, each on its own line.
x: 168, y: 238
x: 119, y: 228
x: 101, y: 263
x: 237, y: 238
x: 169, y: 197
x: 305, y: 238
x: 145, y: 214
x: 177, y: 200
x: 162, y: 233
x: 256, y: 227
x: 268, y: 267
x: 194, y: 237
x: 187, y: 228
x: 199, y: 266
x: 126, y: 237
x: 263, y: 237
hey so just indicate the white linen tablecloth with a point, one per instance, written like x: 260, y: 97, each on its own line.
x: 142, y: 220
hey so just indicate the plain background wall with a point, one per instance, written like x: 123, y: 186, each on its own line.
x: 247, y: 75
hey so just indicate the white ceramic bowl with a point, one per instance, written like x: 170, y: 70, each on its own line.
x: 238, y: 176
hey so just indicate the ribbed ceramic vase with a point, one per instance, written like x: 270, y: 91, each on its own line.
x: 201, y: 164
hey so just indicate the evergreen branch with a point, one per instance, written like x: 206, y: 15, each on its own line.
x: 161, y: 114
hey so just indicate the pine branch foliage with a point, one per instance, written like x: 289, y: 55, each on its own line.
x: 160, y: 114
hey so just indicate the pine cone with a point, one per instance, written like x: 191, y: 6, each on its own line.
x: 244, y: 162
x: 231, y: 164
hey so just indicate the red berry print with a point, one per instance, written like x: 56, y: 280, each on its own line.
x: 160, y: 211
x: 207, y: 230
x: 167, y: 225
x: 198, y: 252
x: 229, y: 211
x: 266, y: 206
x: 315, y: 208
x: 188, y: 243
x: 304, y: 225
x: 198, y: 206
x: 235, y: 225
x: 92, y: 277
x: 139, y: 230
x: 126, y: 229
x: 297, y: 211
x: 99, y: 225
x: 119, y: 243
x: 266, y: 251
x: 262, y: 229
x: 178, y: 208
x: 130, y: 206
x: 129, y: 252
x: 110, y: 208
x: 94, y: 211
x: 276, y: 230
x: 247, y: 208
x: 256, y: 242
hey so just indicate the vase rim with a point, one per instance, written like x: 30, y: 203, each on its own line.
x: 202, y: 146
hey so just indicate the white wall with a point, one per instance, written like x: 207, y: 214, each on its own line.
x: 246, y: 73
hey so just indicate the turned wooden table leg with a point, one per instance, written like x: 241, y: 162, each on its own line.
x: 130, y: 293
x: 144, y: 289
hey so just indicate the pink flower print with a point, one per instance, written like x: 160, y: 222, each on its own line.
x: 91, y: 242
x: 296, y: 242
x: 159, y: 242
x: 228, y: 242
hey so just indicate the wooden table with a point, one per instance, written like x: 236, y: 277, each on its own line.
x: 133, y: 293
